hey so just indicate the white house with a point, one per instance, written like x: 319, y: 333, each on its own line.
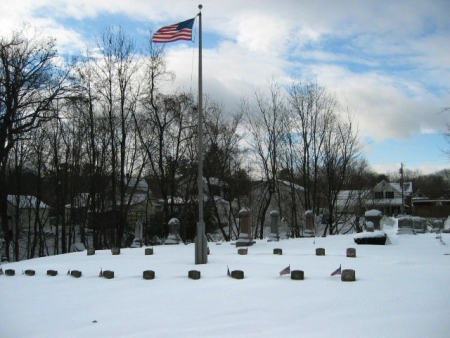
x: 386, y: 197
x: 26, y: 211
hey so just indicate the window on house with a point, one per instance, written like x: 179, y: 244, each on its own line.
x: 389, y: 194
x: 378, y: 194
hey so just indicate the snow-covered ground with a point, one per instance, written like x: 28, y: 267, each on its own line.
x: 401, y: 290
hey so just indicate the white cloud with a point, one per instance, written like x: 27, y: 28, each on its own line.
x: 388, y: 61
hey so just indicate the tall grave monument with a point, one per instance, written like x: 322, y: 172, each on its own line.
x: 245, y: 225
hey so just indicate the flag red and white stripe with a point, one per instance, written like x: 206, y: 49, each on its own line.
x: 336, y: 272
x: 286, y: 270
x: 178, y: 31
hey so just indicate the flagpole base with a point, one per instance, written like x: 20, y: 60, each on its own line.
x: 201, y: 245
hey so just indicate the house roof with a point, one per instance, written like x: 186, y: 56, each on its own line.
x: 289, y: 184
x: 407, y: 187
x: 350, y: 197
x: 82, y: 199
x: 26, y: 202
x: 141, y: 185
x: 285, y: 183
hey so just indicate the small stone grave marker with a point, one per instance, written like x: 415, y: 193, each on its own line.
x: 75, y: 273
x: 351, y: 252
x: 52, y: 273
x: 320, y: 252
x: 297, y: 274
x: 242, y: 251
x: 108, y: 274
x: 30, y: 272
x: 148, y: 274
x: 90, y: 251
x: 10, y: 272
x: 348, y: 275
x: 277, y: 251
x: 115, y: 251
x: 237, y: 274
x: 194, y: 274
x: 148, y: 251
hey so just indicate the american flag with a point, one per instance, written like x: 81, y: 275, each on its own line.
x: 228, y: 272
x: 286, y: 270
x: 336, y: 272
x: 178, y: 31
x: 101, y: 273
x: 1, y: 271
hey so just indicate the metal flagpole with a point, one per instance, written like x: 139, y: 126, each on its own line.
x: 201, y: 255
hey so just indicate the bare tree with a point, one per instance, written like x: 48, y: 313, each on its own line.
x: 30, y: 81
x: 166, y: 127
x: 221, y: 150
x: 265, y: 126
x: 340, y: 153
x: 118, y: 88
x: 311, y: 109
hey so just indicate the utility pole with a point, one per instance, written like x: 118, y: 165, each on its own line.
x: 401, y: 185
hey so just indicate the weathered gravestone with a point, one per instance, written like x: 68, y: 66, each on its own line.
x: 405, y: 226
x: 90, y: 251
x: 284, y: 229
x: 148, y: 251
x: 52, y: 273
x: 369, y: 226
x: 374, y: 216
x: 174, y: 232
x: 115, y: 251
x: 30, y: 272
x: 309, y: 227
x: 78, y: 247
x: 245, y: 235
x: 438, y: 224
x: 274, y: 235
x: 419, y: 225
x: 138, y: 229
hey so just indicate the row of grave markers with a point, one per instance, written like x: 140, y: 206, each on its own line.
x: 351, y: 252
x: 347, y: 275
